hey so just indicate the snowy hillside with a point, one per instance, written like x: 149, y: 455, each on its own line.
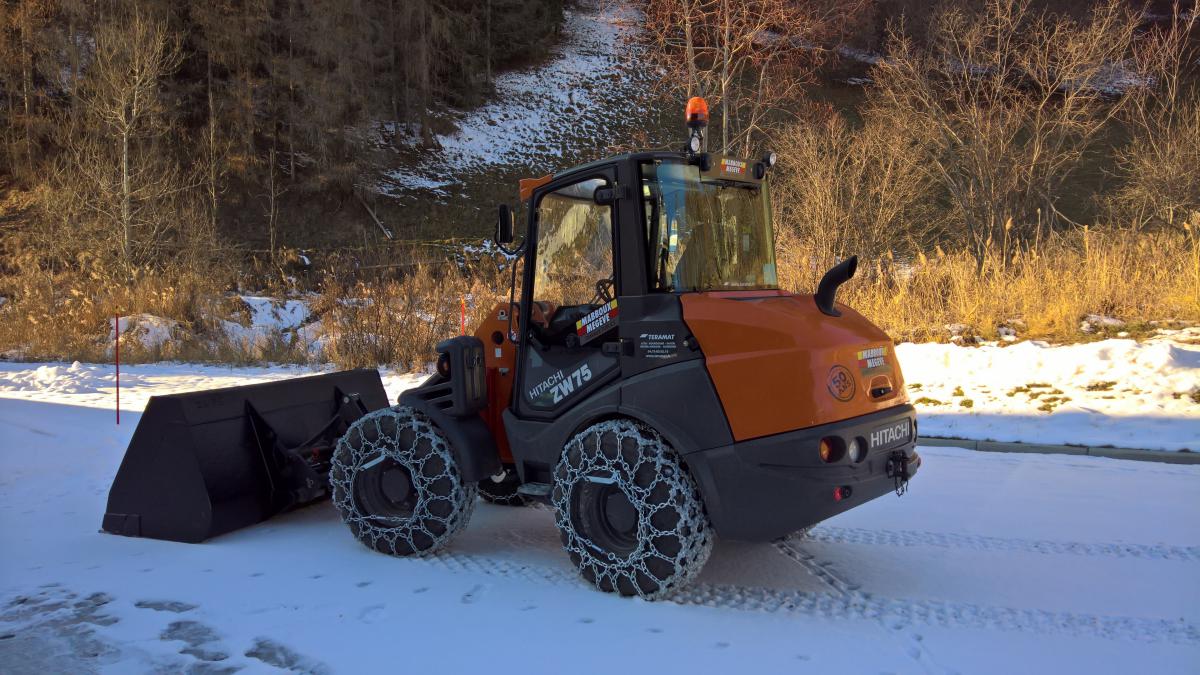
x: 544, y: 118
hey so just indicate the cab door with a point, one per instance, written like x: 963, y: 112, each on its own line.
x: 569, y: 307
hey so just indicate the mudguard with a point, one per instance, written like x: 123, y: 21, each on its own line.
x: 470, y: 439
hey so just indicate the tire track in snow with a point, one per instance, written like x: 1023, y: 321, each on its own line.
x: 971, y: 542
x: 825, y: 573
x: 848, y: 603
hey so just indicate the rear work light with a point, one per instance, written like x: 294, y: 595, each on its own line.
x: 857, y: 450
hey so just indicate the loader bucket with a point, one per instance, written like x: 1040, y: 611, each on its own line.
x: 208, y: 462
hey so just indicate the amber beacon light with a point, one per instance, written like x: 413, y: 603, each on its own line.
x: 696, y: 113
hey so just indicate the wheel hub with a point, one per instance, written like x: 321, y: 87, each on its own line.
x: 607, y: 517
x: 385, y: 489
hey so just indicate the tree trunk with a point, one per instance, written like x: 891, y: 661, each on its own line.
x: 126, y: 206
x: 291, y: 102
x: 725, y: 57
x: 272, y: 207
x: 690, y: 44
x: 487, y: 29
x: 212, y: 151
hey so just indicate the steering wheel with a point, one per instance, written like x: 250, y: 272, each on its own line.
x: 605, y: 291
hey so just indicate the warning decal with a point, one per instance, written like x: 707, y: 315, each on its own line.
x: 597, y: 321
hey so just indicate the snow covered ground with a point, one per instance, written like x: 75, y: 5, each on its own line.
x: 991, y: 563
x: 1116, y: 392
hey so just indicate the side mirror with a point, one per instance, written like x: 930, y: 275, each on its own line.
x: 504, y: 225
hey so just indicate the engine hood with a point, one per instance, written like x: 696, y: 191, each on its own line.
x: 779, y: 364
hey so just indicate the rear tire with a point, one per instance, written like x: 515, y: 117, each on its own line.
x: 396, y: 484
x: 629, y: 514
x: 502, y: 492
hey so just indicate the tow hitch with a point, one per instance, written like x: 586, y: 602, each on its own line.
x: 897, y: 470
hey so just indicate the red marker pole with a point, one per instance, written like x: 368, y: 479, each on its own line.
x: 117, y: 352
x: 462, y: 319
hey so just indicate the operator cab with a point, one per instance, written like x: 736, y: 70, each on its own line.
x: 608, y: 248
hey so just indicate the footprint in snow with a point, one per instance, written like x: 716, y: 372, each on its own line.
x: 193, y: 633
x: 472, y: 595
x: 201, y: 643
x: 279, y: 655
x: 363, y: 584
x: 420, y: 589
x: 173, y: 606
x: 373, y: 614
x: 587, y: 620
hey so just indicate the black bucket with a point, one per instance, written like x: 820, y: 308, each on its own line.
x: 209, y: 462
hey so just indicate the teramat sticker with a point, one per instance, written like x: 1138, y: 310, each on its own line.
x: 596, y: 322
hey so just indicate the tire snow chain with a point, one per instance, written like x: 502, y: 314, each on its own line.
x: 365, y: 453
x: 592, y: 462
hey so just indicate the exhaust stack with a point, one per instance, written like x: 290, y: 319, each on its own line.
x: 827, y: 289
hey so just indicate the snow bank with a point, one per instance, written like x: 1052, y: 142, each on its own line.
x: 1112, y: 392
x: 76, y: 378
x: 149, y: 330
x: 270, y: 319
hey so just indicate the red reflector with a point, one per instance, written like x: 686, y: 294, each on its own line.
x: 840, y: 493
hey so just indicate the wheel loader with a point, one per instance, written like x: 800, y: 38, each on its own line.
x: 650, y: 382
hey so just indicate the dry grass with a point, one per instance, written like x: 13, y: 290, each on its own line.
x: 399, y: 321
x: 1044, y: 292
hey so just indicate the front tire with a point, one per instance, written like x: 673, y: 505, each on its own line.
x: 396, y: 484
x: 629, y: 514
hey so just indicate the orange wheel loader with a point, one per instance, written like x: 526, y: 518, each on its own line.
x: 651, y: 383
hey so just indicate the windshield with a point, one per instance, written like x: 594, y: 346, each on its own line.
x: 705, y: 234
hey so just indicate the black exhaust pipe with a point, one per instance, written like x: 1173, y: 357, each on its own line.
x: 827, y: 289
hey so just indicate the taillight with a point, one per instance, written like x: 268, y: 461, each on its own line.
x: 832, y: 449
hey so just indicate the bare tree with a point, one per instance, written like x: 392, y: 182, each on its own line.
x: 853, y: 190
x: 1006, y: 103
x: 748, y: 57
x: 1159, y: 163
x: 127, y: 180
